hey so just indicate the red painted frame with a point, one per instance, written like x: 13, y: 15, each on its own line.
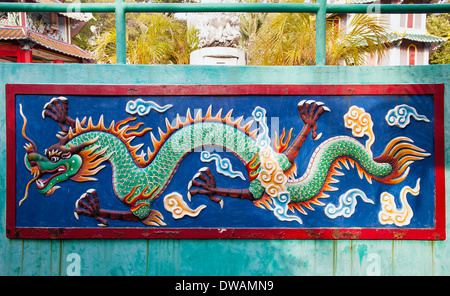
x: 436, y: 233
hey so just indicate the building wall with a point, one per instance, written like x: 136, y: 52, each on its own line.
x: 419, y: 47
x: 220, y: 257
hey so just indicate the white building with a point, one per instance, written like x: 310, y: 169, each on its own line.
x: 411, y: 44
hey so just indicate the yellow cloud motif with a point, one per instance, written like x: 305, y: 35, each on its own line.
x: 175, y: 204
x: 361, y: 124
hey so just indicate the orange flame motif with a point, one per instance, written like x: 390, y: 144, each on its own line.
x: 129, y: 199
x: 127, y: 130
x: 278, y: 145
x: 252, y: 167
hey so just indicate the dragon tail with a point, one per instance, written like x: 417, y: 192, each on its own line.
x: 400, y: 153
x: 391, y: 167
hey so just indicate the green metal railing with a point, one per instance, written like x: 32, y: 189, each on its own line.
x: 321, y: 8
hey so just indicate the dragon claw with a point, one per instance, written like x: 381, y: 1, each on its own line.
x: 77, y: 201
x: 196, y: 176
x: 58, y: 98
x: 89, y: 205
x: 57, y: 109
x: 301, y: 103
x: 205, y: 180
x: 310, y: 112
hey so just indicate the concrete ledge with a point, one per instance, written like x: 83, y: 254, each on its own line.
x: 219, y: 56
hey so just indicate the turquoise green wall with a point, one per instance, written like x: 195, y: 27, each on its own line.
x: 220, y: 257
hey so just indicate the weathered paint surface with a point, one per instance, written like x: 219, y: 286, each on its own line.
x: 225, y: 257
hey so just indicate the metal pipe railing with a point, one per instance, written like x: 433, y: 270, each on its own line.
x: 321, y: 8
x: 223, y: 7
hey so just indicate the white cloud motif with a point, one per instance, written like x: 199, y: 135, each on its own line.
x: 347, y: 204
x: 223, y: 165
x: 401, y: 114
x: 143, y: 108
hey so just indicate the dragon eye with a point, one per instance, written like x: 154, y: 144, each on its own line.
x: 54, y: 158
x: 54, y: 155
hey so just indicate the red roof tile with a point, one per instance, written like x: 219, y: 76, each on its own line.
x: 17, y: 33
x: 12, y: 33
x: 60, y: 46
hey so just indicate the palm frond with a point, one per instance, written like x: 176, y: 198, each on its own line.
x: 289, y: 39
x: 151, y: 39
x: 105, y: 48
x: 365, y: 34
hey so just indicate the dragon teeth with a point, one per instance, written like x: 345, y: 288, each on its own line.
x: 40, y: 184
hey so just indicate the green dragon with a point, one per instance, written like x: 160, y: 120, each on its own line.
x: 138, y: 180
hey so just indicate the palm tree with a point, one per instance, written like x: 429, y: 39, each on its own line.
x: 105, y: 48
x: 250, y: 23
x: 152, y: 43
x: 183, y: 43
x: 151, y: 39
x: 365, y: 34
x: 289, y: 39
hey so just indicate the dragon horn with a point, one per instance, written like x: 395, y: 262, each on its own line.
x: 76, y: 149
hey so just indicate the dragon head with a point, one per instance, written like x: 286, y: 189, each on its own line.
x: 74, y: 157
x: 61, y: 161
x: 56, y: 165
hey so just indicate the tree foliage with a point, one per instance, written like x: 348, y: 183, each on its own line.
x: 152, y: 38
x: 289, y: 39
x: 439, y: 25
x: 268, y: 38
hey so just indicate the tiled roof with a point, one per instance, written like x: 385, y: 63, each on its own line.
x: 60, y: 46
x: 16, y: 33
x: 7, y: 33
x: 419, y: 37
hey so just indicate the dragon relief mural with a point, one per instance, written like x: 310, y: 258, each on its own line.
x: 141, y: 174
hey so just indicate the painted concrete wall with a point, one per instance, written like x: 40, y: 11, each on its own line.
x: 219, y: 257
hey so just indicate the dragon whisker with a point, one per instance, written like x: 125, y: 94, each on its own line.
x: 23, y: 130
x: 26, y: 190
